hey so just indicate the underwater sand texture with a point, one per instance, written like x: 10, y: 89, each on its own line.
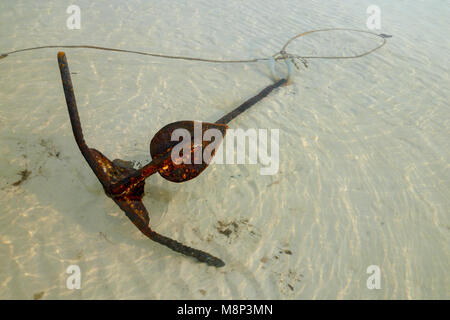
x: 364, y: 152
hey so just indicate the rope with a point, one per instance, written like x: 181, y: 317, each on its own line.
x: 281, y: 55
x: 382, y: 36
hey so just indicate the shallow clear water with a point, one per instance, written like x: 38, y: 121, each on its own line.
x: 364, y: 152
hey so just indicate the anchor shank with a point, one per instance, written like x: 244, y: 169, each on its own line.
x: 250, y: 102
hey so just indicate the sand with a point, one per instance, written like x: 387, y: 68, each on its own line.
x: 364, y: 152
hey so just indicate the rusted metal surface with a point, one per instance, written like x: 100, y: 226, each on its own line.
x: 125, y: 185
x: 250, y: 102
x: 162, y: 144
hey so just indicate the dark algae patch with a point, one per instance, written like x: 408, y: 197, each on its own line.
x: 38, y: 295
x: 25, y: 174
x: 227, y: 228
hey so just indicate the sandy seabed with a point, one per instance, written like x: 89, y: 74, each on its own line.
x: 364, y: 152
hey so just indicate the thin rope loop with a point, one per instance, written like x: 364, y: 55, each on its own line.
x: 281, y: 55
